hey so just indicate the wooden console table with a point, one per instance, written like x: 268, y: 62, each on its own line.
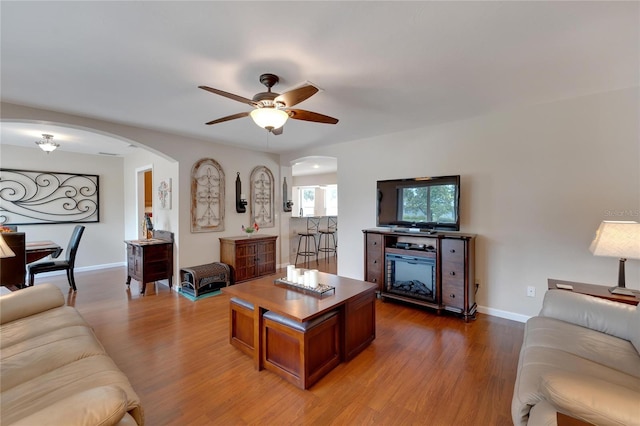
x: 454, y: 255
x: 594, y: 290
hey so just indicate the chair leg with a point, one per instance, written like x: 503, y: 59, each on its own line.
x: 71, y: 278
x: 31, y: 277
x: 298, y: 251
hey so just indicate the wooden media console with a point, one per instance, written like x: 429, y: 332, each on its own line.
x: 442, y: 265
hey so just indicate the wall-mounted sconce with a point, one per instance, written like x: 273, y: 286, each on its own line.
x: 286, y: 204
x: 241, y: 201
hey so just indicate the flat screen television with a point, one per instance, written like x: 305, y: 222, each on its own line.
x: 424, y: 203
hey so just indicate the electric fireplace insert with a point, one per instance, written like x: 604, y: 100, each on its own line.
x: 411, y: 275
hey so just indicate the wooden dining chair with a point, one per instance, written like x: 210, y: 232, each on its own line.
x: 61, y: 265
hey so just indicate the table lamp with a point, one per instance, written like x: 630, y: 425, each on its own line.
x: 619, y: 239
x: 5, y: 250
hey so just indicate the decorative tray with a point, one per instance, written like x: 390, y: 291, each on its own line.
x: 319, y: 291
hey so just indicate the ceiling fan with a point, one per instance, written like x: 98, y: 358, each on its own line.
x: 271, y: 110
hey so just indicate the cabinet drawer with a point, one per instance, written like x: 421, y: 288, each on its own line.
x: 453, y: 251
x: 374, y: 245
x: 453, y: 294
x: 374, y: 271
x: 156, y: 253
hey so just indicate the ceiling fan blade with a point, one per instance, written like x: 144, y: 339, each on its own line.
x: 229, y: 117
x: 300, y: 114
x: 295, y: 96
x: 228, y: 95
x: 277, y: 131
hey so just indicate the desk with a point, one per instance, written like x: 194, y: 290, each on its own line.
x: 354, y: 299
x: 36, y: 250
x: 600, y: 291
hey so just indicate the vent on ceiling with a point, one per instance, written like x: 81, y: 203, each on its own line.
x: 108, y: 153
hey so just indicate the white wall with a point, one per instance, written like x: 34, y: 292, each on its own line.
x: 536, y: 182
x: 98, y: 247
x: 321, y: 179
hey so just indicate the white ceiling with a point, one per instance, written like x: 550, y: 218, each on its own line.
x: 383, y: 66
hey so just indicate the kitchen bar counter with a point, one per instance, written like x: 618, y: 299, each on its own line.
x: 299, y: 224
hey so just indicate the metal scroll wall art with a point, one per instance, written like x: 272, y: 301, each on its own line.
x: 262, y: 197
x: 29, y: 197
x: 207, y: 196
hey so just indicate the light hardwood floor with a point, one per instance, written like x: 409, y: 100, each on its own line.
x: 421, y: 369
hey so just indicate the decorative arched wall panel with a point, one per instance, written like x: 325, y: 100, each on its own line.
x: 207, y: 196
x: 262, y: 197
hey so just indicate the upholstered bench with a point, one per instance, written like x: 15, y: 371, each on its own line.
x: 301, y: 353
x: 241, y: 331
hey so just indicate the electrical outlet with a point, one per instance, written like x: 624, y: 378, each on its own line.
x: 531, y: 291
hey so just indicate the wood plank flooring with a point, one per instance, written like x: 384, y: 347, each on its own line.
x: 421, y: 369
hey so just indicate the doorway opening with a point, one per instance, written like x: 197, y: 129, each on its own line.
x: 144, y: 195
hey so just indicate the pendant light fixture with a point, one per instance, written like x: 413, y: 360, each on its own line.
x: 47, y: 144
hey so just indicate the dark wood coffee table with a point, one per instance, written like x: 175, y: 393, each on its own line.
x: 354, y: 299
x: 594, y: 290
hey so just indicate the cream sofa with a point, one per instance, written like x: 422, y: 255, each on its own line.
x: 580, y: 357
x: 54, y: 371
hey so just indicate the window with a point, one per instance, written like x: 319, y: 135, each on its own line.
x: 315, y: 200
x: 308, y: 201
x: 331, y: 200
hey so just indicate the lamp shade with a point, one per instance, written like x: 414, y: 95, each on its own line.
x: 617, y: 239
x: 5, y: 250
x: 269, y: 118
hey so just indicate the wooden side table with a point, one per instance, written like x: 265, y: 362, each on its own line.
x: 149, y: 260
x: 594, y: 290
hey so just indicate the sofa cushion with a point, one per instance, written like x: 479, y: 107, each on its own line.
x: 35, y: 325
x: 592, y: 400
x: 591, y: 312
x: 600, y: 348
x: 29, y: 301
x: 41, y: 392
x: 101, y: 406
x: 34, y: 357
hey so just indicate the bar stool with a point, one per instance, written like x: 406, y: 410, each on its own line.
x: 310, y: 248
x: 329, y: 233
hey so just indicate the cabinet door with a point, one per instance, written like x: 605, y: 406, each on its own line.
x: 266, y: 258
x: 374, y: 259
x: 453, y: 274
x: 246, y: 255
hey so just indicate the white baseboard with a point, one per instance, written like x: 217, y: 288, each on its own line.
x: 503, y: 314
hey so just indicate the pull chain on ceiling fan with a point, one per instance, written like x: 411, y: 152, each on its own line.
x: 272, y: 110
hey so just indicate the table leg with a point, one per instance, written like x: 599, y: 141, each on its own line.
x: 257, y: 337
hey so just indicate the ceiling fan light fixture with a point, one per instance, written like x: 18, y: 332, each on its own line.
x: 269, y: 118
x: 47, y: 144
